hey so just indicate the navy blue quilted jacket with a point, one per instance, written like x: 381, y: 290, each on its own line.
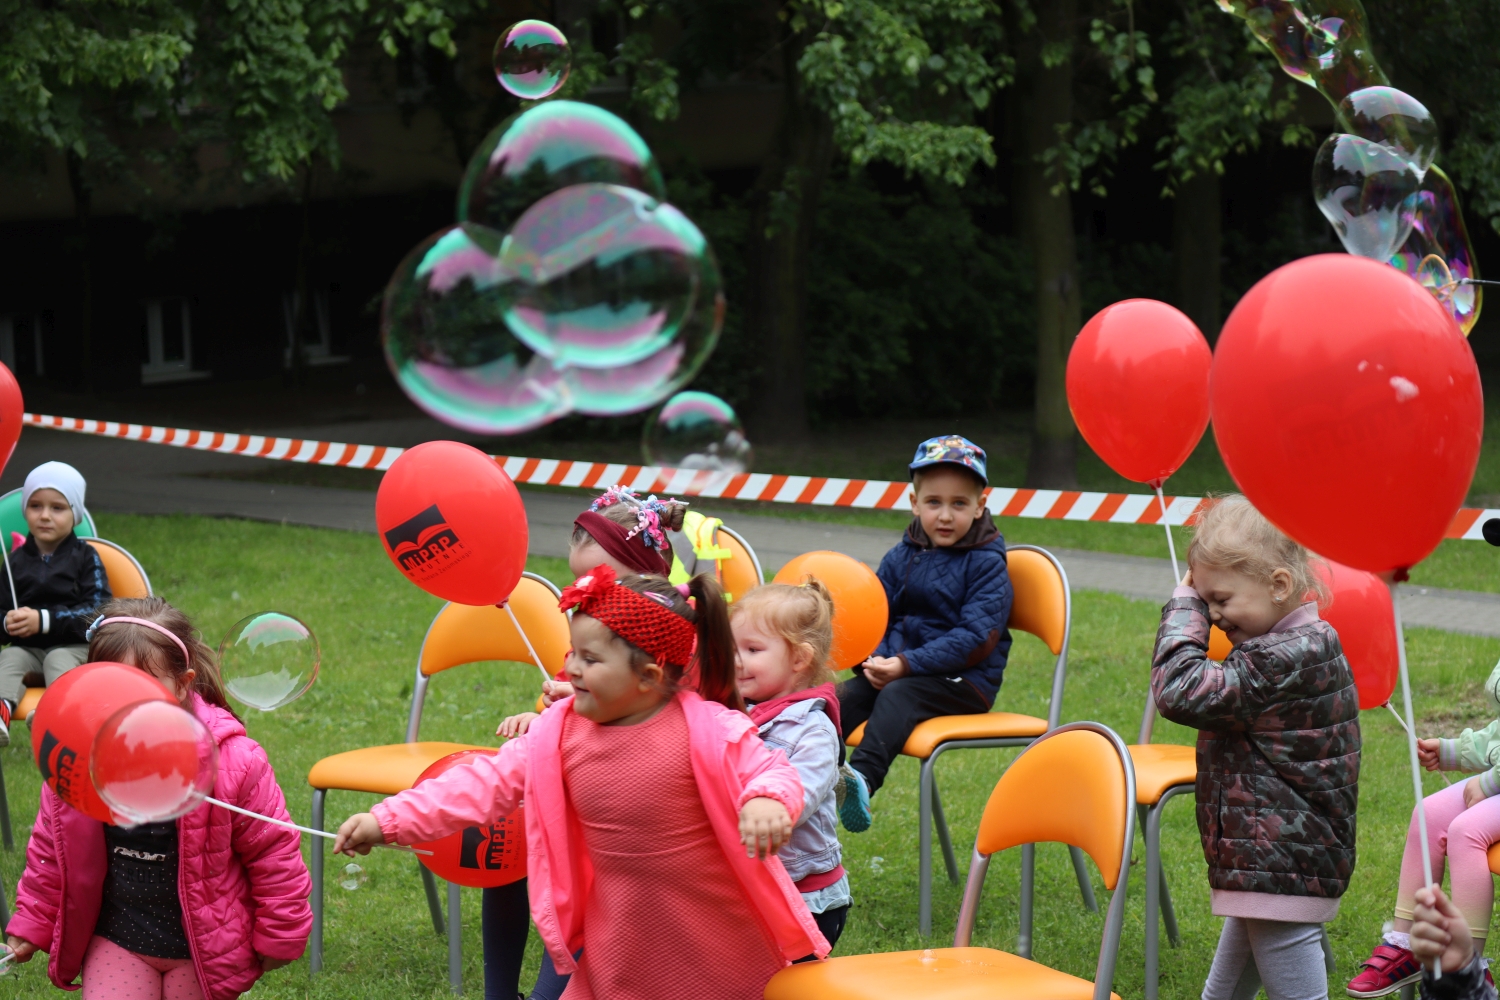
x: 949, y: 606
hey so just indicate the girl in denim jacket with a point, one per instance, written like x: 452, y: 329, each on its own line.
x: 782, y: 636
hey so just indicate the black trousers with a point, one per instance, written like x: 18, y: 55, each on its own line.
x: 892, y: 712
x: 831, y: 923
x: 505, y: 921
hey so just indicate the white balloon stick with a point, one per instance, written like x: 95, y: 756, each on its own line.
x: 1410, y: 725
x: 526, y: 639
x: 305, y: 829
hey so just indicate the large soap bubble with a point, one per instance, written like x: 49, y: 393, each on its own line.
x: 153, y: 761
x: 268, y: 660
x: 1395, y: 119
x: 1438, y: 231
x: 697, y: 430
x: 443, y: 327
x: 546, y: 148
x: 532, y: 60
x: 609, y: 277
x: 1368, y: 191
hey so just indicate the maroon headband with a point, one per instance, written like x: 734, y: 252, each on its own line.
x: 614, y: 539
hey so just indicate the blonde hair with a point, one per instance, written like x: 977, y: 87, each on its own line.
x: 1232, y: 534
x: 800, y: 615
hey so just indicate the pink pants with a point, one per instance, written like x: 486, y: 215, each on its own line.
x: 1462, y: 837
x: 113, y: 973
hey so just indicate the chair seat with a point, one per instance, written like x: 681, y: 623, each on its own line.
x: 29, y: 702
x: 383, y: 770
x: 1160, y: 766
x: 948, y: 728
x: 1494, y: 856
x: 934, y: 974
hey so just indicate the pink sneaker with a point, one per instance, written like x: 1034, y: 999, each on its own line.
x: 1386, y: 970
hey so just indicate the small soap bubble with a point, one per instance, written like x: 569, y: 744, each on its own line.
x: 876, y: 864
x: 697, y: 430
x: 1368, y: 192
x: 928, y: 958
x: 268, y: 660
x: 532, y: 60
x: 1392, y: 118
x: 354, y: 877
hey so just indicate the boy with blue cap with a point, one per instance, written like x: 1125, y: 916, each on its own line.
x: 945, y: 646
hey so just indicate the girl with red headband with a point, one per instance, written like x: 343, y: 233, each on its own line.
x: 653, y: 810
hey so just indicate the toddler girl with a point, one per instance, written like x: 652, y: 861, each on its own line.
x: 653, y: 812
x: 1278, y: 749
x: 1463, y: 820
x: 193, y: 908
x: 782, y: 635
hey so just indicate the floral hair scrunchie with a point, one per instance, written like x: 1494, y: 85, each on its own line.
x: 649, y: 514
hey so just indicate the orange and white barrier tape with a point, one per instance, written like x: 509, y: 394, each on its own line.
x: 1064, y: 505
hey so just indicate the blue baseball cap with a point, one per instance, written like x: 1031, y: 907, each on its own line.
x: 951, y: 449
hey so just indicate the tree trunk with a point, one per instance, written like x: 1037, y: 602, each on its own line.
x: 1044, y: 101
x: 784, y: 211
x: 83, y: 199
x: 1197, y: 246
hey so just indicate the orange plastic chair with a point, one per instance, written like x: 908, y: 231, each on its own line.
x: 1074, y: 786
x: 1162, y: 772
x: 460, y: 634
x: 741, y: 572
x: 126, y: 579
x: 1043, y: 606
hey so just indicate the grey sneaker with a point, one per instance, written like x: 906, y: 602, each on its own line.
x: 854, y: 800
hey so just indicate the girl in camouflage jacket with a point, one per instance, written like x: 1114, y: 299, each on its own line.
x: 1463, y: 820
x: 1278, y: 749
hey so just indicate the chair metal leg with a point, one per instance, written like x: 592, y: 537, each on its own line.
x: 4, y: 907
x: 315, y: 942
x: 1168, y: 914
x: 924, y: 849
x: 434, y: 906
x: 942, y: 832
x: 1028, y: 886
x: 1153, y: 904
x: 455, y: 940
x: 1085, y: 887
x: 10, y: 843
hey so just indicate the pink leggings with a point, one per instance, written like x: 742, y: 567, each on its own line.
x: 1462, y: 837
x: 113, y: 973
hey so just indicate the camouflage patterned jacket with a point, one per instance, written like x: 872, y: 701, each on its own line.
x: 1278, y: 751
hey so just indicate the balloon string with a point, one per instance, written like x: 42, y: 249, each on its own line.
x: 1171, y: 545
x: 9, y: 577
x: 1411, y: 744
x: 526, y: 639
x: 305, y: 829
x: 1397, y: 714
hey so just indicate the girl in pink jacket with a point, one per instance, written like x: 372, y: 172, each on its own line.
x: 653, y: 810
x: 193, y: 909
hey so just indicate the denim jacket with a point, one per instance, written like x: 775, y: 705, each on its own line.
x: 808, y: 738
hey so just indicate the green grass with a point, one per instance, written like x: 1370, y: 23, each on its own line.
x: 380, y: 944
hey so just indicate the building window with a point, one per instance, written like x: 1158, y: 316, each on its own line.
x: 317, y: 335
x: 167, y: 342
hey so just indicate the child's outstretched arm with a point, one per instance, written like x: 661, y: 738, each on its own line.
x: 986, y: 611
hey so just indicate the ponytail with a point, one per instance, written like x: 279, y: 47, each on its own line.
x: 715, y: 643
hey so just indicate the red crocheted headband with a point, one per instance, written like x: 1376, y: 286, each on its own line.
x: 652, y: 627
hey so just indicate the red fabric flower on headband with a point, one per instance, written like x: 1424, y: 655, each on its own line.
x: 654, y: 628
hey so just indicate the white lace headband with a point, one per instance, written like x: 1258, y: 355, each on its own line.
x: 101, y: 622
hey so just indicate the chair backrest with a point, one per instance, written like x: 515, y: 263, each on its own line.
x: 1042, y: 604
x: 741, y: 572
x: 1218, y: 644
x: 1076, y: 786
x: 461, y: 634
x: 126, y: 576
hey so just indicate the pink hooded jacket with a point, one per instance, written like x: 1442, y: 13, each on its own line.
x: 731, y: 766
x: 243, y: 884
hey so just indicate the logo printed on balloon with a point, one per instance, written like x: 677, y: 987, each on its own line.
x: 422, y: 543
x: 484, y: 847
x: 476, y: 856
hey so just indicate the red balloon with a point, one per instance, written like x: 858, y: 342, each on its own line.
x: 11, y: 409
x: 1347, y: 406
x: 153, y: 761
x: 1360, y: 611
x: 69, y: 716
x: 453, y: 522
x: 1138, y: 388
x: 480, y: 857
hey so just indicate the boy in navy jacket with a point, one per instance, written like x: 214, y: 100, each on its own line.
x: 945, y: 647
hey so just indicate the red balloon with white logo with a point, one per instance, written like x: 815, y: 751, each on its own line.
x: 1360, y: 611
x: 480, y: 857
x: 453, y: 523
x: 69, y: 717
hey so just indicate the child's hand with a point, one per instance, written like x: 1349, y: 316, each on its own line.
x: 1440, y: 931
x: 764, y: 826
x: 267, y: 964
x: 1473, y: 793
x: 1427, y: 753
x: 554, y: 691
x: 19, y: 947
x: 1187, y: 578
x: 23, y: 622
x: 359, y: 833
x: 516, y: 725
x: 881, y: 670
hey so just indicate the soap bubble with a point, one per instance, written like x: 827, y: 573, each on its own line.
x: 353, y: 877
x: 1438, y: 230
x: 268, y: 660
x: 532, y: 60
x: 608, y: 277
x: 443, y: 327
x: 153, y: 761
x: 696, y: 430
x: 1368, y: 191
x: 1395, y: 119
x: 545, y: 149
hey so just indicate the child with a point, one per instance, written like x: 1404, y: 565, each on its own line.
x: 1278, y: 749
x: 649, y: 806
x: 1441, y: 931
x: 59, y: 583
x: 944, y: 651
x: 199, y: 907
x: 782, y: 636
x: 1463, y: 820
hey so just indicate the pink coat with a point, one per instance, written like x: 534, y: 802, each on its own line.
x: 731, y: 766
x: 243, y: 884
